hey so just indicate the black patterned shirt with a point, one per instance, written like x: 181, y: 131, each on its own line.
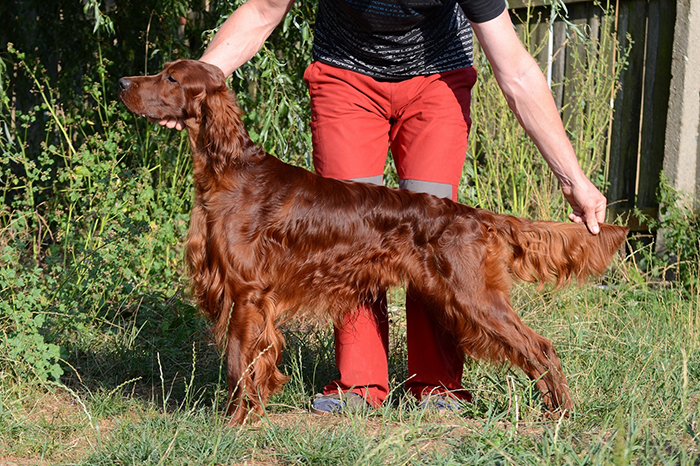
x: 399, y: 39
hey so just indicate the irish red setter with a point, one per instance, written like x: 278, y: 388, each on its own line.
x: 268, y: 240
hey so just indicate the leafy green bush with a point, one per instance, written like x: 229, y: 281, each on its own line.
x: 23, y: 294
x: 679, y: 225
x: 92, y: 220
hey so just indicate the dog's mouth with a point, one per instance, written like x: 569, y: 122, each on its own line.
x: 152, y: 117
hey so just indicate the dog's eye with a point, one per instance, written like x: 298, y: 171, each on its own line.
x: 171, y: 79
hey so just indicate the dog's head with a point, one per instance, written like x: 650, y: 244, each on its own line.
x: 176, y: 92
x: 196, y: 93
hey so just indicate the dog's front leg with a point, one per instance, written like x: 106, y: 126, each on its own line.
x: 254, y: 349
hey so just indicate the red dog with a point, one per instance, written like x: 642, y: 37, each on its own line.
x: 268, y: 240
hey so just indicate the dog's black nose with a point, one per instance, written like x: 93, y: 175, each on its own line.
x: 124, y: 84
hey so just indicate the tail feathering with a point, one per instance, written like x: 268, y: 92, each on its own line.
x: 559, y: 252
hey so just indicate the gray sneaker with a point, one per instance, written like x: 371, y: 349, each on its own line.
x: 440, y: 403
x: 336, y: 403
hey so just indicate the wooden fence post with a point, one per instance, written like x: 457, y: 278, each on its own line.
x: 682, y: 146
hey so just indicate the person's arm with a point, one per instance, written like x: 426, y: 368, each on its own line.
x: 528, y: 95
x: 240, y: 37
x: 243, y: 34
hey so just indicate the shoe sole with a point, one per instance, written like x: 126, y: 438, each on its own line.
x: 319, y: 412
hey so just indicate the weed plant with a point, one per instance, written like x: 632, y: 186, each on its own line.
x: 104, y: 358
x: 679, y: 225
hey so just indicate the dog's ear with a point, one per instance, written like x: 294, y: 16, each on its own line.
x: 198, y: 80
x: 214, y: 107
x: 221, y: 128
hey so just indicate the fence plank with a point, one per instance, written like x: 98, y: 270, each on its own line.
x: 628, y: 107
x: 559, y: 63
x: 659, y: 46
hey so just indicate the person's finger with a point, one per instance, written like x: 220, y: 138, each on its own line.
x: 594, y: 215
x: 592, y: 224
x: 172, y: 123
x: 575, y: 218
x: 590, y: 216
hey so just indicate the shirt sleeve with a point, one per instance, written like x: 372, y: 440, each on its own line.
x: 480, y: 11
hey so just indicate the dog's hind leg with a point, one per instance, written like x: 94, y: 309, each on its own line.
x: 493, y: 330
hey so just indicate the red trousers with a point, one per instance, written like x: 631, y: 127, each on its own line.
x: 425, y: 120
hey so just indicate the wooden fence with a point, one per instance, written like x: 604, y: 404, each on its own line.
x: 644, y: 28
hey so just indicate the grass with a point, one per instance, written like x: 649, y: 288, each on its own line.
x: 150, y: 391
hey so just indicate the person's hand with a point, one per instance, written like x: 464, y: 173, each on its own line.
x: 171, y: 123
x: 588, y: 204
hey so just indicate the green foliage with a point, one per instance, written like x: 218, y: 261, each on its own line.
x: 91, y: 219
x: 679, y: 224
x: 24, y: 294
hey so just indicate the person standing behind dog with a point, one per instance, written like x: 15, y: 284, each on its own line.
x: 399, y: 73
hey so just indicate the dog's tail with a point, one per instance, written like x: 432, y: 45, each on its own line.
x: 557, y: 252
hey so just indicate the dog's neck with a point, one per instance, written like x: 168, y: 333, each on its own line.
x: 198, y: 153
x: 192, y: 127
x: 217, y: 163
